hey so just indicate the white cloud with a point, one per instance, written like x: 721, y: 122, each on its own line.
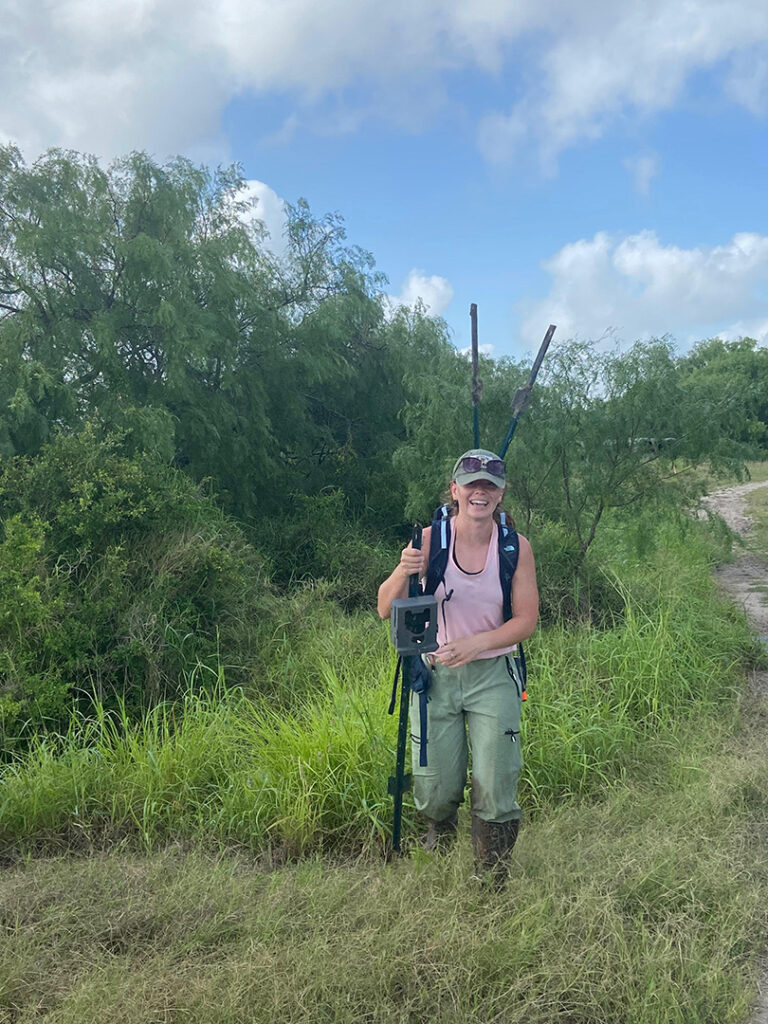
x: 434, y: 292
x: 756, y: 328
x: 266, y: 206
x: 643, y: 168
x: 157, y: 74
x: 747, y: 83
x: 107, y: 78
x: 603, y: 59
x: 639, y: 288
x: 483, y: 350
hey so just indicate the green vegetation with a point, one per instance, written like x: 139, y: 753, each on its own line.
x: 648, y: 916
x: 757, y: 508
x: 192, y: 428
x: 115, y: 574
x: 757, y: 471
x: 209, y: 457
x: 646, y: 906
x: 305, y: 772
x: 639, y: 886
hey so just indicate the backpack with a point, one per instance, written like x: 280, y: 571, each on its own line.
x: 509, y: 550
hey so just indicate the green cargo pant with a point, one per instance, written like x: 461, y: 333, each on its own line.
x: 484, y: 698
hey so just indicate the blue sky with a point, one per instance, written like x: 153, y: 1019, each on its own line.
x: 602, y: 168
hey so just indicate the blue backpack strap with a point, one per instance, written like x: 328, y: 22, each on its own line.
x: 439, y: 543
x: 420, y: 680
x: 509, y: 552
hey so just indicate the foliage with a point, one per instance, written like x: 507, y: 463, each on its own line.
x: 116, y: 575
x: 145, y: 324
x: 32, y: 604
x: 609, y: 428
x: 648, y: 907
x: 142, y: 297
x: 732, y: 375
x: 319, y: 541
x: 304, y: 769
x: 438, y: 423
x: 570, y: 589
x: 145, y: 292
x: 158, y: 361
x: 610, y: 435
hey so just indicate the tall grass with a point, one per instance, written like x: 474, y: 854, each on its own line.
x: 309, y: 772
x: 646, y: 907
x: 598, y: 696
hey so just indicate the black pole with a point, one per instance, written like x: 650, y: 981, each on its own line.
x: 401, y: 782
x: 477, y: 384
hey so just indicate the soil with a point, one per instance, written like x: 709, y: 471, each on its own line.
x: 745, y: 581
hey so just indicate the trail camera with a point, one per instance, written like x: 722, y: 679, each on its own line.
x: 413, y: 624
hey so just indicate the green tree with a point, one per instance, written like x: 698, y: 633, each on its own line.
x: 128, y: 288
x: 605, y: 430
x: 733, y: 377
x: 140, y: 297
x: 608, y: 430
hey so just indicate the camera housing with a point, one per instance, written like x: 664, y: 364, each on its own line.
x: 413, y: 624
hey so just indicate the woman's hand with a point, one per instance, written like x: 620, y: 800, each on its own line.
x: 460, y: 652
x: 413, y: 561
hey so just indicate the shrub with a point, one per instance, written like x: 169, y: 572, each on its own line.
x: 117, y: 574
x: 317, y: 540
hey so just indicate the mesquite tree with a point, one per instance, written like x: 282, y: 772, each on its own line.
x: 142, y: 297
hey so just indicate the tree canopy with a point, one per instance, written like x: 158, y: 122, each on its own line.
x: 143, y: 297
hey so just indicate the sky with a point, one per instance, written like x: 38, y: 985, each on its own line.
x: 601, y: 166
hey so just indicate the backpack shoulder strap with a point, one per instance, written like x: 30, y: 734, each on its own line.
x: 439, y: 544
x: 509, y: 551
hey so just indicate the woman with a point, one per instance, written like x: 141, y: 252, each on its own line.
x: 474, y: 685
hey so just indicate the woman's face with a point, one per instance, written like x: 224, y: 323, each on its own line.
x: 477, y: 500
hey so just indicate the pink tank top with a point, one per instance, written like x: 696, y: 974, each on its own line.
x: 470, y: 603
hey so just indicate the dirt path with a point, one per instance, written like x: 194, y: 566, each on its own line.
x: 745, y: 581
x: 747, y: 578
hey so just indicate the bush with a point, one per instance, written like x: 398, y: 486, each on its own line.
x: 318, y: 540
x: 570, y: 589
x: 117, y: 574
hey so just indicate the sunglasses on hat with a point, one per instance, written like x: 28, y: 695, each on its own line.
x: 476, y: 463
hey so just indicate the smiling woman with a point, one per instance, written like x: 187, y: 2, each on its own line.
x: 475, y: 686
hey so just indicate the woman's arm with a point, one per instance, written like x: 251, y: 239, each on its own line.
x: 525, y: 614
x: 412, y: 560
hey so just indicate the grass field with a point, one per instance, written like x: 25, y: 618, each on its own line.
x: 757, y: 509
x: 646, y: 906
x: 227, y: 866
x: 758, y: 470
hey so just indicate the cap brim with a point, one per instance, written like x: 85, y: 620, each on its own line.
x: 469, y: 478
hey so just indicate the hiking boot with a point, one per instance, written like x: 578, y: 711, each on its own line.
x: 440, y: 835
x: 492, y: 842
